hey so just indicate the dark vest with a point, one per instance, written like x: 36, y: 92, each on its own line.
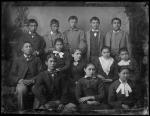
x: 94, y: 44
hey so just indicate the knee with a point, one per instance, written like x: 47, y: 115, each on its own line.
x: 33, y: 89
x: 21, y: 89
x: 70, y: 108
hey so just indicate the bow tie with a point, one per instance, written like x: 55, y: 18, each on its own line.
x: 27, y: 58
x: 58, y: 53
x: 116, y: 31
x: 32, y: 34
x: 52, y: 73
x: 124, y: 88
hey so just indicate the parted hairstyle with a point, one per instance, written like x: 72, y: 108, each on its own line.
x: 32, y: 21
x: 95, y: 18
x: 116, y: 18
x: 60, y: 40
x: 54, y: 21
x: 73, y: 17
x: 123, y: 50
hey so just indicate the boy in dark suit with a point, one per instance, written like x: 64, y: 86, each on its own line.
x: 22, y: 73
x: 33, y: 37
x: 50, y: 89
x: 94, y: 38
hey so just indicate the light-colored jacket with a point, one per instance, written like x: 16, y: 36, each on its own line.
x: 124, y: 40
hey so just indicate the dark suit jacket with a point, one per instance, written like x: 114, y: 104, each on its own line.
x: 116, y: 99
x: 90, y: 87
x: 37, y: 42
x: 46, y: 89
x: 20, y: 67
x: 63, y: 63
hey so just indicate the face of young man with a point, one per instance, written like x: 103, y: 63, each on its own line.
x: 124, y: 55
x: 105, y: 53
x: 54, y: 27
x: 51, y: 63
x: 116, y: 25
x: 90, y: 70
x: 59, y: 46
x: 124, y: 74
x: 95, y: 24
x: 73, y: 23
x: 33, y: 27
x: 77, y: 55
x: 27, y: 49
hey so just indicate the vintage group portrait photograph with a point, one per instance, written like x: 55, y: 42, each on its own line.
x: 75, y: 57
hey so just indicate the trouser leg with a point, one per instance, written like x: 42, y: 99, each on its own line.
x: 21, y: 90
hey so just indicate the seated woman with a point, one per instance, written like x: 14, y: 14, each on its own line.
x: 122, y: 91
x: 76, y: 72
x: 90, y: 91
x: 106, y: 68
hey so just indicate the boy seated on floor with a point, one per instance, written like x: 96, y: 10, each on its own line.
x: 50, y: 89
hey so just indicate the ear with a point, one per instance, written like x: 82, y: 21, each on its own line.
x: 72, y: 55
x: 22, y: 49
x: 84, y: 69
x: 46, y: 62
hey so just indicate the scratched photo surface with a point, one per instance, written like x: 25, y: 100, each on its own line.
x: 14, y: 24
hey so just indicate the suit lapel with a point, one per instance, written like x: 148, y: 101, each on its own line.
x: 120, y: 39
x: 25, y: 65
x: 88, y: 42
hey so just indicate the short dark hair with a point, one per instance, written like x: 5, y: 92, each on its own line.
x: 54, y: 21
x: 95, y: 18
x: 58, y: 39
x: 32, y: 21
x: 116, y: 18
x: 74, y: 50
x: 123, y: 50
x: 89, y: 63
x: 105, y: 47
x: 50, y: 55
x: 73, y: 17
x: 26, y: 42
x: 120, y: 68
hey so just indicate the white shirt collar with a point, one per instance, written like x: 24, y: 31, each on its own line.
x: 95, y: 30
x: 49, y: 70
x: 116, y: 31
x: 51, y: 32
x: 30, y: 32
x: 88, y: 76
x: 26, y: 55
x: 122, y: 62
